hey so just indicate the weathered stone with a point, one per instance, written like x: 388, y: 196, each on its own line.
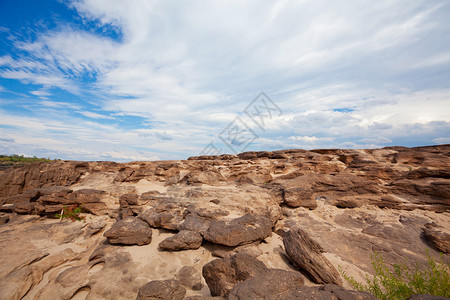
x: 126, y: 200
x: 183, y: 240
x: 272, y: 284
x: 325, y: 292
x: 206, y: 177
x: 438, y: 237
x: 221, y: 275
x: 196, y: 223
x: 306, y: 254
x: 190, y: 277
x: 297, y: 197
x: 243, y: 230
x: 166, y: 215
x: 161, y: 289
x: 129, y: 231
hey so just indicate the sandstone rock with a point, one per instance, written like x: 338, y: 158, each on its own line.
x: 306, y: 254
x: 4, y: 219
x: 221, y: 275
x: 196, y: 223
x: 438, y: 237
x: 243, y: 230
x: 206, y: 177
x: 166, y: 215
x: 126, y: 200
x: 161, y: 289
x: 129, y: 231
x: 183, y: 240
x: 85, y: 196
x: 190, y: 277
x: 326, y: 292
x: 297, y: 197
x: 272, y: 284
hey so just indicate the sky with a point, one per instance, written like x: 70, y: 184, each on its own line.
x: 160, y: 80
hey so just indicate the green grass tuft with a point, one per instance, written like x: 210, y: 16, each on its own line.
x: 401, y: 282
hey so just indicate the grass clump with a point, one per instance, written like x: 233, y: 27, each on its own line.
x: 401, y: 282
x: 71, y: 212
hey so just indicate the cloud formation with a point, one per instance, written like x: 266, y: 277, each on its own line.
x: 161, y: 80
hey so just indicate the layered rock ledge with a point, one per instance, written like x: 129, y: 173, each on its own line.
x: 221, y: 226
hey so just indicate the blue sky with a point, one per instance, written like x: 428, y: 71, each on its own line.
x: 146, y: 80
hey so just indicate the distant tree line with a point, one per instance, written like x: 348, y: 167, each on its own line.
x: 20, y: 158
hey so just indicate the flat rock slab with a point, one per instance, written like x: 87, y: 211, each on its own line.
x: 161, y: 289
x: 129, y: 231
x: 272, y: 284
x: 183, y: 240
x: 243, y: 230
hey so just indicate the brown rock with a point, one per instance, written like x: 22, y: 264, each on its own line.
x: 327, y: 292
x: 243, y: 230
x: 85, y: 196
x: 272, y: 284
x: 190, y: 277
x: 297, y: 197
x: 161, y: 289
x: 183, y: 240
x: 126, y: 200
x: 221, y: 275
x: 129, y: 231
x: 306, y: 254
x: 205, y: 177
x: 196, y: 223
x: 167, y: 215
x: 438, y: 237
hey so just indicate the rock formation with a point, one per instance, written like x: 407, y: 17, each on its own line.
x: 265, y: 225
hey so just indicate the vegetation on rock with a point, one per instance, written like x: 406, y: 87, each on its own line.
x: 403, y: 282
x: 71, y: 212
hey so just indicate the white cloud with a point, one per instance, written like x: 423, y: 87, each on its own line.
x: 41, y: 94
x: 442, y: 140
x: 343, y: 74
x: 94, y: 115
x: 309, y: 139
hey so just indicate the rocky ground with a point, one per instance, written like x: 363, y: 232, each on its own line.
x: 258, y: 225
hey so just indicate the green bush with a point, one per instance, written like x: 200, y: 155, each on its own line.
x: 402, y: 282
x: 72, y: 212
x: 22, y: 159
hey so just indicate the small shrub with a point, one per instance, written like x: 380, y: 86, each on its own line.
x: 402, y: 282
x: 71, y: 212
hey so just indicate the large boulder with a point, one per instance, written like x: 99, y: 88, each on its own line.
x: 183, y: 240
x: 273, y: 284
x: 306, y: 254
x: 243, y: 230
x: 129, y: 231
x: 221, y: 275
x: 161, y: 289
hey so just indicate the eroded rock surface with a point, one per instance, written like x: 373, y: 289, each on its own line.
x: 222, y: 275
x: 129, y: 231
x: 306, y: 254
x: 242, y: 208
x: 183, y: 240
x: 161, y: 289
